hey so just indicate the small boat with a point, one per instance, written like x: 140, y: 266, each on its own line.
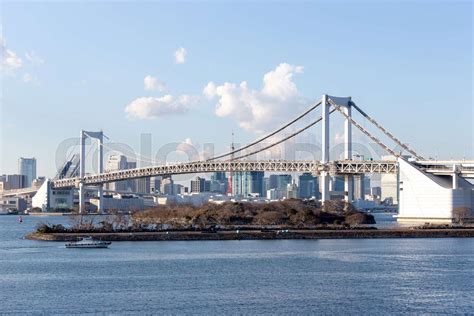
x: 88, y: 242
x: 20, y: 219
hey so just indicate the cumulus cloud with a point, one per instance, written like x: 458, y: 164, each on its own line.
x: 153, y: 107
x: 151, y: 83
x: 259, y: 110
x: 10, y: 60
x: 180, y: 55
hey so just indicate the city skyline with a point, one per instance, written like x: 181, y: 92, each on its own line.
x: 172, y: 86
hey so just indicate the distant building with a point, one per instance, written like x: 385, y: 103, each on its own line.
x: 16, y: 181
x: 167, y: 186
x: 292, y: 190
x: 219, y: 182
x: 376, y: 191
x: 115, y: 163
x: 279, y: 181
x: 155, y: 184
x: 27, y: 167
x: 248, y: 183
x: 142, y: 185
x: 308, y: 186
x: 200, y: 185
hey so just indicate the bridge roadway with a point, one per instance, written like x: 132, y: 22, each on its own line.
x: 313, y: 166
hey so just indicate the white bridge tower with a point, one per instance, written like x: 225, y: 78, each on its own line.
x: 82, y: 167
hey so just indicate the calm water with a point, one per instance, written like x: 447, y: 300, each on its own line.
x: 381, y: 276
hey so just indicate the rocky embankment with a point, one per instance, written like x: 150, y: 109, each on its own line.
x: 262, y: 234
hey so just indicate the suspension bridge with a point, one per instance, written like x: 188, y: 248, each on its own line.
x: 429, y: 190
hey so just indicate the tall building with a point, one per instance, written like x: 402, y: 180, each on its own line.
x: 16, y: 181
x: 167, y: 186
x: 219, y: 182
x: 27, y: 167
x: 142, y: 185
x: 115, y: 163
x: 359, y: 187
x: 292, y: 190
x: 200, y: 185
x: 155, y: 184
x: 308, y: 186
x: 248, y: 183
x: 279, y: 181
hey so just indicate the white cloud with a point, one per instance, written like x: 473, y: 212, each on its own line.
x: 153, y: 107
x: 259, y: 110
x: 151, y: 83
x: 34, y: 59
x: 27, y: 78
x: 10, y: 61
x: 180, y: 56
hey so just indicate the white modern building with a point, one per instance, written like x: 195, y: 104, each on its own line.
x: 426, y: 197
x: 50, y: 200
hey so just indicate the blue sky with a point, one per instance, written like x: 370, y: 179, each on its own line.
x: 80, y: 64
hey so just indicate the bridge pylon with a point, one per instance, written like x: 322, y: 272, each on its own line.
x: 345, y: 103
x: 82, y: 167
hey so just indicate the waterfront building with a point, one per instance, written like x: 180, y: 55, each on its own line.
x: 27, y: 167
x: 12, y: 204
x: 49, y: 200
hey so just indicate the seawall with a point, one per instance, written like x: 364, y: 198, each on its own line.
x: 248, y: 235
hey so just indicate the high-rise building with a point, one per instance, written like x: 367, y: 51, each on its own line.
x: 292, y: 190
x: 218, y: 182
x: 248, y: 183
x: 279, y: 181
x: 200, y: 185
x: 308, y: 186
x: 16, y: 181
x: 142, y: 185
x: 115, y: 163
x: 27, y: 167
x: 155, y: 184
x: 337, y: 184
x: 167, y: 186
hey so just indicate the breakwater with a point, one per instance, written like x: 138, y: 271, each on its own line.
x: 255, y: 234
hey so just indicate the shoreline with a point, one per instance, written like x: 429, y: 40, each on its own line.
x: 261, y: 235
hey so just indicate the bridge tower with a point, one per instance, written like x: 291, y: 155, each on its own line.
x: 82, y: 167
x: 345, y: 103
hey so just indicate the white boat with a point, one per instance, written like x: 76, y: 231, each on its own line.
x: 88, y: 242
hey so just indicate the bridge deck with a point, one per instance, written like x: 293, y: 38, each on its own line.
x: 316, y: 167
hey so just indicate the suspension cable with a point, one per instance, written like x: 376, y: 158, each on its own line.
x: 376, y: 140
x: 284, y: 139
x: 390, y: 135
x: 267, y: 136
